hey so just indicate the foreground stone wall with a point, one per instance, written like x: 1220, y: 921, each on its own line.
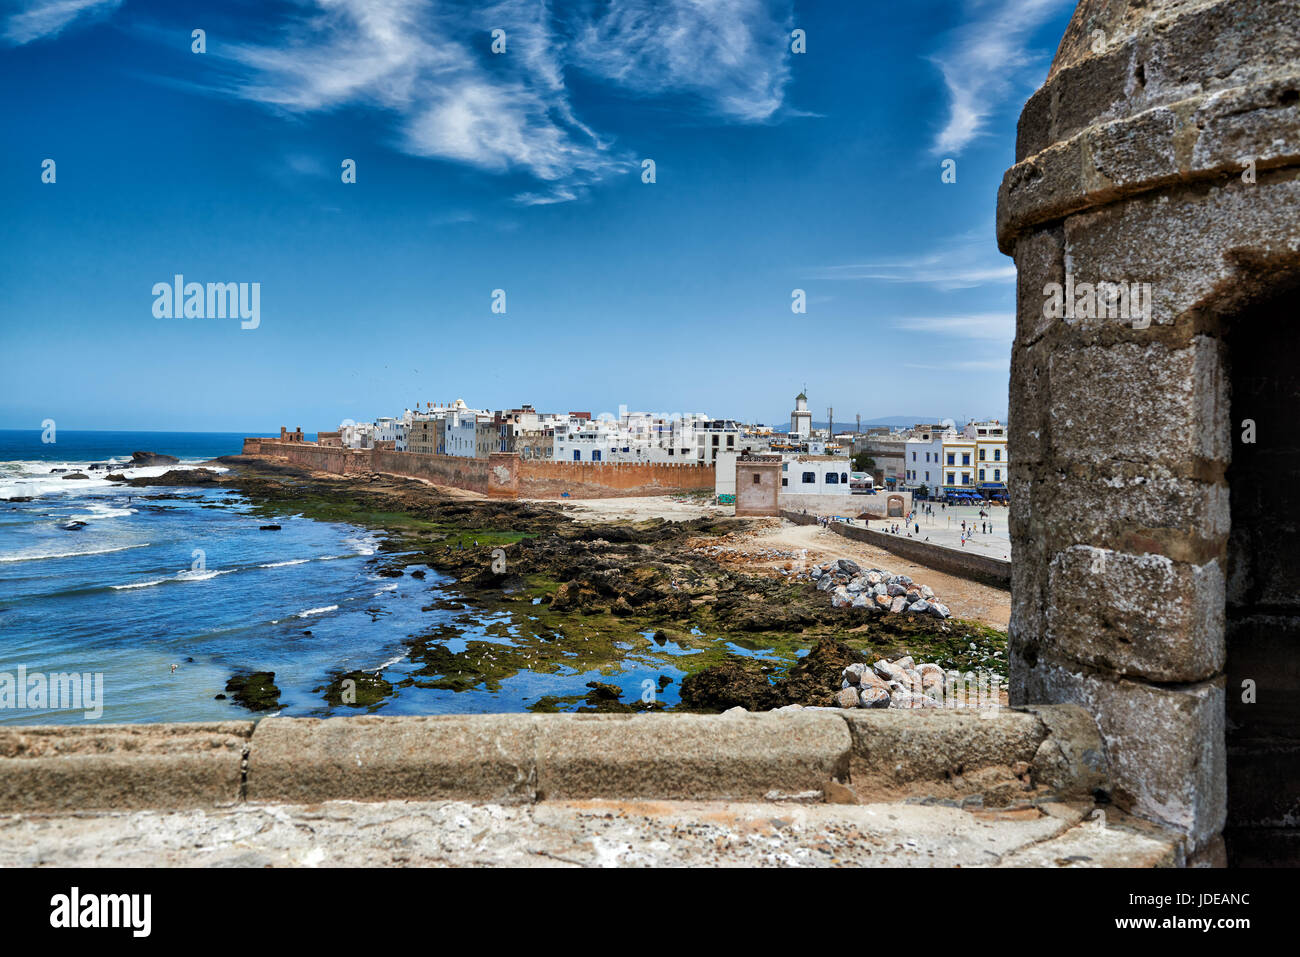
x: 1164, y: 149
x: 811, y: 754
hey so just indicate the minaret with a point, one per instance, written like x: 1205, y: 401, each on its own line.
x: 801, y: 418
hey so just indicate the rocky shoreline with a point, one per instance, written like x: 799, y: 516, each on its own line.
x: 585, y: 595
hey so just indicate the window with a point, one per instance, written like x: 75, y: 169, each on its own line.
x: 832, y: 478
x: 981, y: 475
x: 950, y: 479
x: 595, y: 455
x: 577, y: 455
x: 809, y: 478
x: 731, y: 441
x: 952, y: 458
x: 997, y: 455
x: 785, y: 482
x: 913, y: 456
x: 981, y: 455
x: 755, y: 478
x: 965, y: 458
x: 997, y: 475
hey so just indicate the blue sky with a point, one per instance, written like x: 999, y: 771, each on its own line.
x: 519, y: 171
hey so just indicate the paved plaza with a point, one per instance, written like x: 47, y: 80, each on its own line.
x: 944, y: 527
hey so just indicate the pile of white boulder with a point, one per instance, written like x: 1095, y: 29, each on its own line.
x: 891, y: 684
x: 876, y: 590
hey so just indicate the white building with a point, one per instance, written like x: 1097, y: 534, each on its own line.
x: 692, y: 439
x: 815, y: 474
x: 990, y: 440
x: 923, y: 458
x: 389, y: 429
x: 825, y: 485
x: 357, y: 435
x: 461, y: 429
x: 587, y: 440
x: 714, y: 436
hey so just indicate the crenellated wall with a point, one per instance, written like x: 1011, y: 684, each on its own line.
x: 502, y: 475
x: 609, y: 480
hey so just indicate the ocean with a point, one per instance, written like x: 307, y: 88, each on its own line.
x: 185, y: 576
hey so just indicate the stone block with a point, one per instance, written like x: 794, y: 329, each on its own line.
x: 892, y: 748
x: 1179, y: 395
x: 1125, y: 506
x: 1071, y: 759
x: 690, y: 757
x: 52, y: 768
x: 1040, y: 260
x: 370, y: 758
x: 1137, y: 152
x: 1028, y: 433
x: 1259, y: 123
x: 1141, y: 615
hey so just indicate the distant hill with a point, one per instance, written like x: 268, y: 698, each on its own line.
x: 893, y: 421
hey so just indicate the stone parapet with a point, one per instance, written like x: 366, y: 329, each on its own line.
x: 808, y: 754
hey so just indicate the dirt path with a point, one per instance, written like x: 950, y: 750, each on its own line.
x: 778, y: 544
x: 672, y: 508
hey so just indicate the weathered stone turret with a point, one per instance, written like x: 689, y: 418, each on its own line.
x: 1154, y: 217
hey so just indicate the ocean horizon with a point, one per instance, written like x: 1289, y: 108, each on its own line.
x: 85, y: 446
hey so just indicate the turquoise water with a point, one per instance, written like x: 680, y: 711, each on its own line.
x: 158, y: 577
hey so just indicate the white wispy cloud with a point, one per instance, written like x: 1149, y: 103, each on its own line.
x: 998, y: 326
x: 985, y: 60
x: 427, y: 63
x: 971, y: 259
x: 934, y: 270
x: 963, y: 365
x: 46, y: 18
x: 730, y: 53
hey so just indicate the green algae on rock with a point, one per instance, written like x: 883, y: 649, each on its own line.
x: 254, y: 690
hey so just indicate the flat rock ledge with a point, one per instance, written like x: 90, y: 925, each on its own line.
x: 797, y: 787
x: 586, y: 834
